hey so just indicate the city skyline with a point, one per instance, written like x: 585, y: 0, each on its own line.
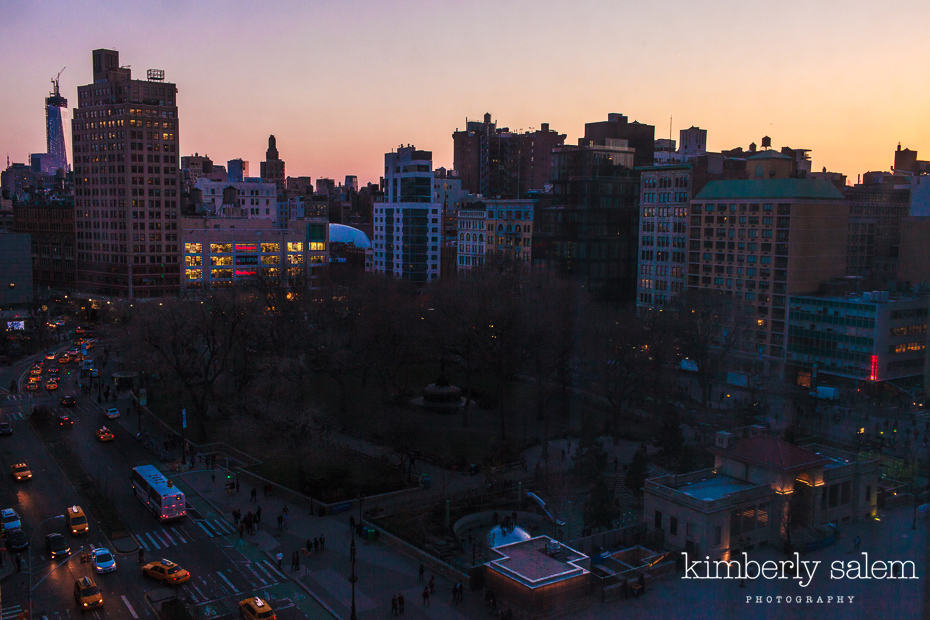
x: 340, y: 88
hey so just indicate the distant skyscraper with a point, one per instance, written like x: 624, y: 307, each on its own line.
x: 407, y: 225
x: 692, y: 142
x: 54, y: 134
x: 494, y: 161
x: 237, y: 170
x: 351, y: 183
x: 126, y: 182
x: 272, y: 169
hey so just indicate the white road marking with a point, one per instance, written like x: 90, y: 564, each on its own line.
x: 199, y: 593
x: 129, y: 607
x: 257, y: 576
x: 228, y: 582
x: 275, y: 569
x: 204, y: 528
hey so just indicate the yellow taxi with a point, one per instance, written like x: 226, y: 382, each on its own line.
x: 64, y: 359
x: 255, y: 608
x: 87, y: 594
x: 77, y: 520
x: 33, y: 386
x: 51, y: 385
x: 35, y: 371
x: 20, y: 471
x: 166, y: 571
x: 104, y: 434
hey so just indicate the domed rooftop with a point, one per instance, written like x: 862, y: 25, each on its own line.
x: 340, y: 233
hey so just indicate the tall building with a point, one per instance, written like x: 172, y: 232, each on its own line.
x: 876, y: 209
x: 237, y: 170
x: 125, y: 149
x: 272, y: 169
x: 586, y: 229
x: 762, y: 240
x: 49, y: 220
x: 664, y: 213
x: 54, y: 133
x: 407, y: 225
x: 639, y: 136
x: 498, y: 163
x: 692, y: 142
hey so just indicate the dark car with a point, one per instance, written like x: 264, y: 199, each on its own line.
x: 65, y: 421
x: 68, y: 401
x: 16, y: 540
x: 6, y: 428
x: 56, y: 545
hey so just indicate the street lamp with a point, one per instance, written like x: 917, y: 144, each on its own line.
x: 354, y: 578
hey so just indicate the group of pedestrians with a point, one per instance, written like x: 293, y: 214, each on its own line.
x: 248, y: 524
x: 397, y: 604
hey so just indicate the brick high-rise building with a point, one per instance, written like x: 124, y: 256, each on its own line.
x: 126, y: 174
x: 760, y: 241
x: 272, y: 169
x: 498, y: 163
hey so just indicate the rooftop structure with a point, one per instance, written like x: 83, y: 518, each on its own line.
x: 538, y: 562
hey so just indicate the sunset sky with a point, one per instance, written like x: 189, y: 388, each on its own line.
x: 339, y: 83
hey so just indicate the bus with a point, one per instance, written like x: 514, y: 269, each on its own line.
x: 157, y: 493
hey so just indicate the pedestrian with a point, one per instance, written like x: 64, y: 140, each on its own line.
x: 394, y: 605
x: 253, y: 495
x: 316, y: 545
x: 258, y: 515
x: 432, y: 584
x: 279, y: 557
x: 420, y: 575
x: 322, y: 542
x: 236, y: 515
x: 284, y: 520
x: 284, y: 510
x: 309, y: 546
x: 426, y: 596
x: 280, y: 522
x: 296, y: 560
x: 141, y: 555
x: 400, y: 603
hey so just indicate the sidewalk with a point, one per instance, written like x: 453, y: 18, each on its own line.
x: 382, y: 572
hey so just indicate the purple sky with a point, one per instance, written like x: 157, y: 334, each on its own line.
x: 340, y: 83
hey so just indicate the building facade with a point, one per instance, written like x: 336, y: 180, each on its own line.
x: 664, y: 197
x: 223, y: 251
x: 407, y: 228
x: 250, y: 198
x: 762, y: 240
x: 16, y: 279
x: 865, y: 337
x: 500, y: 228
x: 126, y: 177
x: 639, y: 136
x: 50, y: 225
x: 586, y: 229
x: 876, y: 209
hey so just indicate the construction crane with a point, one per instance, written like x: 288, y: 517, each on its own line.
x: 56, y: 92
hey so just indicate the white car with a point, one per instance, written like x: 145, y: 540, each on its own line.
x: 112, y: 413
x: 10, y: 519
x: 104, y: 562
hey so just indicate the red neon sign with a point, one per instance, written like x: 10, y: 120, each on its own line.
x: 873, y: 371
x: 246, y: 247
x: 245, y: 272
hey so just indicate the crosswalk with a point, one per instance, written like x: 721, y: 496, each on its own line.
x: 14, y: 416
x: 251, y: 576
x: 172, y: 536
x: 11, y: 612
x: 15, y: 397
x: 215, y: 527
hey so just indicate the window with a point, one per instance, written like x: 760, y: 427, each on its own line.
x: 658, y: 520
x: 673, y: 526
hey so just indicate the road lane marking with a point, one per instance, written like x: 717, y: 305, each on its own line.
x: 129, y: 607
x: 153, y: 541
x: 275, y: 569
x: 228, y: 582
x: 204, y: 528
x: 257, y: 576
x: 168, y: 536
x: 199, y: 593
